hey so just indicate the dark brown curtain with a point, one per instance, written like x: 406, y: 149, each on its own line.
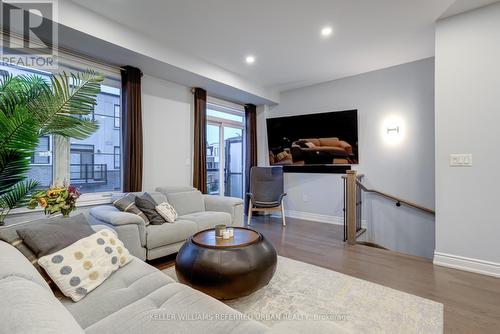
x: 200, y: 140
x: 131, y: 129
x: 251, y: 144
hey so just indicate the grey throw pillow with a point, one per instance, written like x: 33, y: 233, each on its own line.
x: 147, y: 204
x: 127, y: 204
x: 55, y: 234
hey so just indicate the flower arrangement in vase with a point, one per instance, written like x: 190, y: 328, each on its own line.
x: 55, y: 199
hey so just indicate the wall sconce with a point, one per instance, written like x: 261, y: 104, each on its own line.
x: 393, y: 130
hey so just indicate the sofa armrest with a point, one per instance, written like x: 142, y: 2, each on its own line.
x: 346, y: 146
x: 131, y: 228
x: 231, y: 205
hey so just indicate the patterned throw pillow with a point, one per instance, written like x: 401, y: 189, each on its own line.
x: 86, y: 264
x: 127, y: 204
x: 167, y: 211
x: 147, y: 204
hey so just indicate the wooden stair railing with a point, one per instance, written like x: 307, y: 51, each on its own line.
x: 352, y: 186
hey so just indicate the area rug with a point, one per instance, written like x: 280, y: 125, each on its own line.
x: 302, y: 293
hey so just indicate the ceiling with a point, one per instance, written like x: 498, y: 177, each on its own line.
x: 284, y: 35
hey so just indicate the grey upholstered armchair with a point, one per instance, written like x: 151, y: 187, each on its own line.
x: 266, y: 191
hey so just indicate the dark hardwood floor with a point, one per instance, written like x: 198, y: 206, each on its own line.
x: 471, y: 301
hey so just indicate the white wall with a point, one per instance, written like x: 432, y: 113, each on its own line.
x: 405, y: 170
x: 168, y: 135
x: 467, y: 121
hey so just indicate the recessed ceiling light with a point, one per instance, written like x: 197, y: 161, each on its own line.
x: 250, y: 59
x: 326, y: 31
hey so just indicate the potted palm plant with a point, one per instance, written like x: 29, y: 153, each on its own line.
x: 30, y: 107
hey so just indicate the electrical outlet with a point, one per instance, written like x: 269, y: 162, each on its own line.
x: 305, y: 198
x: 461, y: 160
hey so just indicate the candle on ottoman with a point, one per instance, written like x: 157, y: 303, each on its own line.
x: 219, y: 230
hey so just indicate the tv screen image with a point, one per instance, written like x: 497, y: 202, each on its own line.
x: 329, y: 138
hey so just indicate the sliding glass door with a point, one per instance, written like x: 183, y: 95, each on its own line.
x: 225, y: 153
x: 213, y: 159
x: 233, y: 161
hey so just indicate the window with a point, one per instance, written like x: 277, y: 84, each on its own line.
x: 41, y: 162
x: 42, y: 154
x: 94, y: 163
x: 117, y: 157
x: 96, y: 170
x: 225, y: 154
x: 117, y: 115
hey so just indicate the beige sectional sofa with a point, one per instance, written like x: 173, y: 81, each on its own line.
x: 196, y: 212
x: 136, y: 299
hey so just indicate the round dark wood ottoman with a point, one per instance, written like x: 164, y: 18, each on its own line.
x: 226, y: 269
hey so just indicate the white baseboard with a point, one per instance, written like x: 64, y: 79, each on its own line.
x: 467, y: 264
x: 312, y: 216
x: 316, y: 217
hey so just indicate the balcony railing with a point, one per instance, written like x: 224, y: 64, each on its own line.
x: 89, y: 173
x: 213, y: 181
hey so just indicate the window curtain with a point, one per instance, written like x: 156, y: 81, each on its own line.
x: 131, y: 129
x: 200, y: 140
x: 251, y: 144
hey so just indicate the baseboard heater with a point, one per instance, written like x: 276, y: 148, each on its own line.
x: 318, y: 169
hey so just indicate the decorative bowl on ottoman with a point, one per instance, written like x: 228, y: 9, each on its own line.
x: 226, y: 268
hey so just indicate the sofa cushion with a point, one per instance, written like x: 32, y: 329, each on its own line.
x: 163, y: 310
x: 186, y: 202
x: 208, y: 219
x: 161, y: 235
x: 332, y: 141
x: 129, y: 284
x: 86, y: 264
x: 14, y: 263
x: 174, y: 189
x: 55, y: 234
x: 315, y: 141
x: 27, y: 307
x: 329, y: 149
x: 147, y: 205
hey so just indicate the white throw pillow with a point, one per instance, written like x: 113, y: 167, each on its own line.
x: 84, y: 265
x: 167, y: 211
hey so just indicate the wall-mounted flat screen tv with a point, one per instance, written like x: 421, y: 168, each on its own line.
x: 329, y: 138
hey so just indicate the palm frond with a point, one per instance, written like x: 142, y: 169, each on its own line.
x: 13, y: 167
x: 21, y: 89
x: 77, y: 91
x: 70, y: 126
x: 8, y: 97
x: 19, y: 130
x: 18, y: 195
x: 73, y: 96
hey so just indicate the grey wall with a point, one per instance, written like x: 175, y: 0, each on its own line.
x: 404, y: 169
x: 467, y: 121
